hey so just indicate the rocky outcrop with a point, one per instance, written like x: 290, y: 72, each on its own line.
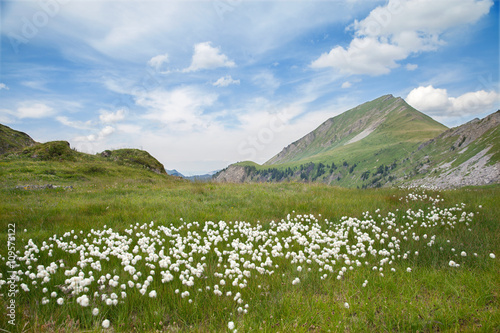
x: 476, y: 171
x: 232, y: 174
x: 464, y: 156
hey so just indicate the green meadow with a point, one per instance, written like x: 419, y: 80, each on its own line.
x: 420, y: 293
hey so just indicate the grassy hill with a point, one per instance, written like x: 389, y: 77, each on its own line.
x: 12, y: 140
x: 57, y: 163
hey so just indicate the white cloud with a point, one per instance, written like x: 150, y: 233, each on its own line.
x: 111, y: 117
x: 363, y: 56
x: 346, y: 84
x: 3, y: 86
x: 103, y: 133
x: 226, y: 81
x: 108, y: 130
x: 157, y: 61
x: 420, y: 19
x: 75, y: 124
x: 34, y: 110
x: 208, y: 57
x: 181, y: 109
x: 411, y: 67
x: 392, y: 32
x: 437, y: 102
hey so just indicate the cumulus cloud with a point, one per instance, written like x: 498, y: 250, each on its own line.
x: 111, y: 117
x: 158, y: 61
x: 226, y: 81
x: 208, y: 57
x: 103, y: 133
x: 392, y: 32
x: 363, y: 56
x: 3, y: 86
x: 181, y: 108
x: 437, y: 102
x: 416, y: 22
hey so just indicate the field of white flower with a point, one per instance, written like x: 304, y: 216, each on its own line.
x: 158, y: 276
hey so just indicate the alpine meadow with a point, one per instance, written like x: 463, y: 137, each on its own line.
x: 250, y: 166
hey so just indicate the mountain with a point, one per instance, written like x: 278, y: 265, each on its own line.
x: 384, y: 122
x: 175, y: 173
x: 466, y: 155
x: 11, y: 140
x: 384, y: 142
x: 203, y: 178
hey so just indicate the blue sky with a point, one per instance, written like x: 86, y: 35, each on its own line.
x: 202, y: 84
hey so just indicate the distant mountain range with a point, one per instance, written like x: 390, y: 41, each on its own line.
x: 204, y: 177
x: 384, y: 142
x: 175, y: 173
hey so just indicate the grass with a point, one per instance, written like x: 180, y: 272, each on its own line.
x: 433, y: 297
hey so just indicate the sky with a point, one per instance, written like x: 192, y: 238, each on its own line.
x: 203, y: 84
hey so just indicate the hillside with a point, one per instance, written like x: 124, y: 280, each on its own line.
x: 386, y: 121
x: 384, y: 142
x: 11, y: 140
x: 56, y: 162
x: 462, y: 156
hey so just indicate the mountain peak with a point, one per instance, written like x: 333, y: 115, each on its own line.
x: 383, y: 118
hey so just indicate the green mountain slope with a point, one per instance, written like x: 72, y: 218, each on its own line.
x: 377, y: 125
x: 384, y: 142
x: 361, y: 147
x: 12, y: 140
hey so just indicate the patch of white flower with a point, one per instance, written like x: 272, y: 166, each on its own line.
x: 223, y: 258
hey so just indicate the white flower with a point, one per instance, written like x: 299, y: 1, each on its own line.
x: 105, y: 323
x: 452, y: 263
x: 152, y: 294
x: 346, y: 305
x: 492, y: 255
x: 230, y: 325
x: 463, y: 254
x: 95, y: 311
x: 60, y: 301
